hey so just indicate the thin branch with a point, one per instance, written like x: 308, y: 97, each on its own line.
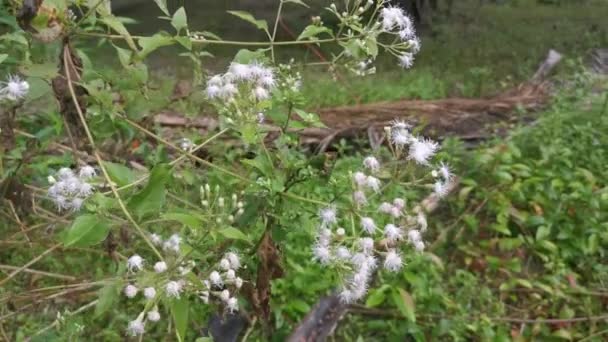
x: 46, y: 274
x: 30, y: 263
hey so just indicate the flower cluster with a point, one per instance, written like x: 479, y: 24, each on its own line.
x: 380, y: 227
x: 395, y: 20
x: 170, y: 281
x: 218, y: 206
x: 69, y: 190
x: 14, y: 89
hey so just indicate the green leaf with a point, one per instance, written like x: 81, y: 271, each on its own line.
x: 45, y: 70
x: 124, y: 56
x: 179, y: 20
x: 234, y: 234
x: 313, y: 31
x: 188, y: 220
x: 245, y: 56
x: 151, y: 198
x: 542, y: 232
x: 376, y: 298
x: 3, y: 57
x: 86, y: 230
x: 119, y: 174
x: 184, y: 41
x: 179, y: 309
x: 297, y: 2
x: 108, y: 295
x: 120, y: 28
x: 162, y: 4
x: 261, y: 24
x: 149, y: 44
x: 405, y: 304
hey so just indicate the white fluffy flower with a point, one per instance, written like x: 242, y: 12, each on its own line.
x: 213, y: 91
x: 230, y: 275
x: 393, y: 17
x: 371, y: 163
x: 238, y: 282
x: 392, y: 232
x: 225, y: 264
x: 419, y: 246
x: 328, y: 216
x: 153, y: 316
x: 261, y: 93
x: 421, y: 150
x: 421, y: 221
x: 414, y: 44
x: 399, y: 203
x: 149, y: 292
x: 156, y: 239
x: 130, y: 291
x: 14, y: 89
x: 359, y: 260
x: 135, y: 263
x: 445, y: 172
x: 440, y: 188
x: 173, y: 289
x: 368, y: 225
x: 86, y: 172
x: 367, y: 244
x: 360, y: 178
x: 172, y: 243
x: 235, y: 262
x: 373, y: 183
x: 400, y: 137
x: 393, y: 261
x: 385, y: 208
x: 346, y: 296
x: 406, y: 60
x: 240, y: 71
x: 225, y: 295
x: 407, y: 33
x: 414, y: 235
x: 136, y: 327
x: 215, y: 278
x: 228, y: 90
x: 232, y: 304
x: 359, y: 197
x: 395, y: 212
x: 215, y: 80
x: 342, y: 253
x: 160, y: 267
x: 322, y: 254
x: 340, y: 231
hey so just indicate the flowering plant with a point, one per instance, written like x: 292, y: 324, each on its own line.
x: 212, y: 231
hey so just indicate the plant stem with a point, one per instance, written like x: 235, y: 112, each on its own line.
x: 274, y: 31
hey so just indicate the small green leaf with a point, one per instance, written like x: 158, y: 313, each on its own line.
x: 162, y: 4
x: 542, y: 232
x: 179, y: 20
x: 245, y: 56
x: 261, y: 24
x: 120, y: 28
x: 119, y: 174
x: 107, y: 297
x: 405, y: 304
x: 297, y: 2
x: 184, y: 41
x: 234, y: 234
x: 149, y: 44
x: 86, y: 230
x: 312, y: 31
x: 3, y: 57
x: 45, y: 70
x: 179, y: 309
x: 151, y: 198
x: 376, y: 298
x: 189, y: 220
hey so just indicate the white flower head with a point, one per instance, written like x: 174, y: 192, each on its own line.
x: 328, y: 216
x: 368, y: 225
x: 373, y: 183
x: 393, y: 261
x: 346, y: 296
x: 392, y: 232
x: 172, y: 243
x: 414, y: 235
x: 228, y: 90
x: 153, y: 316
x: 215, y: 80
x: 408, y: 33
x: 215, y: 278
x: 395, y: 212
x: 371, y: 163
x: 340, y: 231
x: 230, y: 275
x: 149, y: 292
x: 86, y: 172
x: 419, y: 245
x: 241, y: 71
x: 421, y: 221
x: 156, y: 239
x: 400, y: 137
x: 14, y: 89
x: 135, y: 263
x: 225, y: 295
x: 130, y: 291
x: 322, y: 254
x: 232, y: 304
x: 233, y: 258
x: 225, y: 264
x: 160, y: 267
x: 261, y: 93
x: 359, y: 197
x: 360, y: 178
x: 406, y: 60
x: 445, y: 172
x: 414, y: 44
x: 367, y: 244
x: 385, y: 208
x: 173, y: 289
x: 342, y: 253
x: 213, y: 91
x: 441, y: 189
x: 399, y: 203
x: 238, y: 282
x: 421, y: 150
x: 136, y: 327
